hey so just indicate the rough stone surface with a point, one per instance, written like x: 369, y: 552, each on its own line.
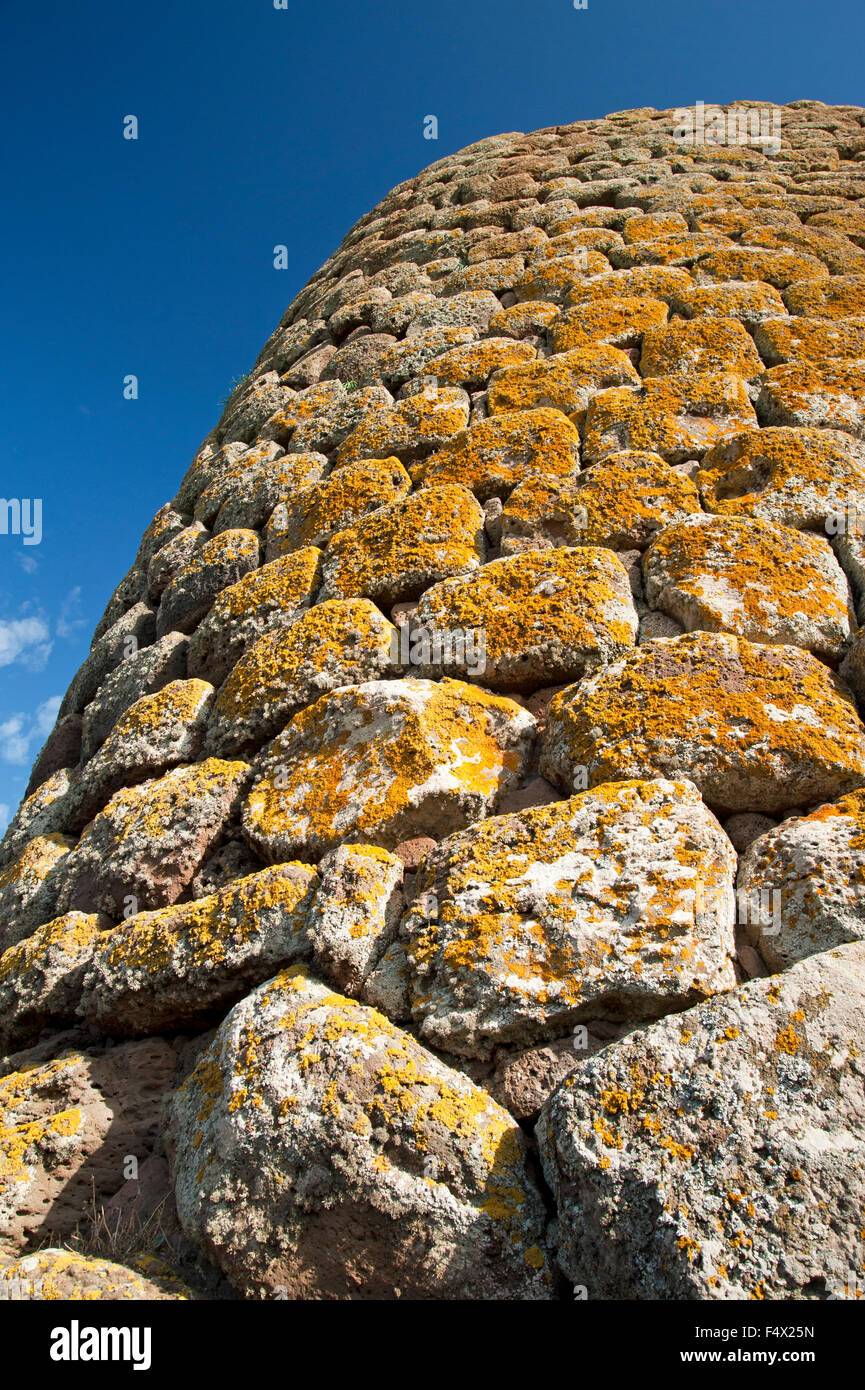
x: 549, y: 483
x: 757, y: 728
x: 69, y: 1276
x: 186, y: 963
x: 753, y: 578
x: 142, y: 850
x: 618, y: 902
x: 731, y: 1135
x: 803, y: 883
x: 66, y: 1125
x: 544, y: 617
x: 383, y: 761
x: 363, y: 1167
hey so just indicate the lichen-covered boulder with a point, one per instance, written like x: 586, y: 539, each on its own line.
x: 765, y: 582
x: 133, y: 629
x: 66, y: 1128
x: 185, y: 964
x: 320, y: 1151
x: 826, y: 393
x: 221, y: 562
x: 400, y: 550
x: 29, y: 886
x: 142, y: 673
x: 69, y: 1276
x: 749, y: 301
x: 678, y: 417
x: 355, y: 914
x: 757, y: 728
x: 834, y: 298
x: 142, y: 850
x: 310, y: 515
x: 157, y: 732
x: 414, y: 427
x: 248, y: 502
x: 618, y: 323
x: 617, y: 903
x: 566, y: 382
x: 621, y: 503
x: 720, y: 1153
x: 43, y: 812
x: 496, y: 454
x: 383, y: 761
x: 780, y: 341
x: 802, y: 883
x: 338, y: 642
x: 699, y: 345
x: 265, y: 599
x: 41, y: 976
x: 797, y: 477
x: 540, y: 618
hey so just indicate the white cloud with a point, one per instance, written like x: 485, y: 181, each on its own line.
x: 28, y: 563
x: 70, y: 620
x: 19, y: 731
x: 46, y: 714
x: 14, y: 742
x: 26, y: 640
x: 4, y: 816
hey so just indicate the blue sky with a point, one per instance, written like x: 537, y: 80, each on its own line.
x: 259, y: 126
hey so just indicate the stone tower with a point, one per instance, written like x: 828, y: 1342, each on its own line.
x: 445, y: 877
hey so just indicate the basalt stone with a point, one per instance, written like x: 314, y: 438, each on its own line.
x: 517, y: 591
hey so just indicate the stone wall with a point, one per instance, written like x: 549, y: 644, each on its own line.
x: 445, y: 877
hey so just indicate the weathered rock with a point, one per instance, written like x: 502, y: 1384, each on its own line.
x: 366, y: 1169
x: 732, y: 1137
x: 43, y: 812
x: 621, y: 504
x: 185, y: 964
x: 757, y: 728
x: 414, y: 427
x: 752, y: 578
x: 802, y: 883
x: 67, y: 1126
x: 69, y: 1275
x: 827, y: 394
x: 566, y: 382
x: 61, y: 749
x: 157, y: 732
x: 699, y: 345
x: 338, y: 642
x: 797, y: 477
x: 400, y: 550
x: 173, y: 557
x: 355, y: 914
x: 268, y: 598
x: 616, y: 903
x: 497, y: 454
x: 619, y: 323
x: 133, y: 629
x: 143, y: 849
x: 41, y: 976
x: 383, y: 761
x: 221, y: 562
x: 678, y: 417
x: 537, y: 618
x: 29, y: 886
x: 309, y: 516
x: 142, y: 673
